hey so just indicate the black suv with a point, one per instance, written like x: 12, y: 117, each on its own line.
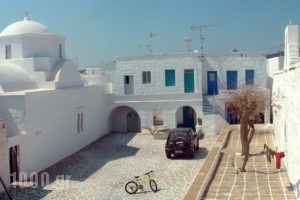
x: 181, y: 141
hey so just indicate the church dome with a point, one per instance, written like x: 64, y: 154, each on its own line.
x: 14, y: 78
x: 25, y: 26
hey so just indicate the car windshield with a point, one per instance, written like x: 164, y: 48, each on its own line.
x: 174, y: 135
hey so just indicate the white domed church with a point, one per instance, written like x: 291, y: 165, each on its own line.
x: 43, y: 101
x: 36, y: 56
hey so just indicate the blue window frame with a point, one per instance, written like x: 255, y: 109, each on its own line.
x: 169, y: 77
x: 249, y: 76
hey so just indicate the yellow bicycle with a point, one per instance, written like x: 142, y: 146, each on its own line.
x: 132, y: 186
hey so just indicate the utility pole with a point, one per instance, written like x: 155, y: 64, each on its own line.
x: 150, y: 44
x: 202, y: 38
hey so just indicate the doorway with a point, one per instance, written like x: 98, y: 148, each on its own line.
x: 132, y: 122
x: 128, y: 84
x: 14, y: 163
x: 212, y: 83
x: 188, y: 80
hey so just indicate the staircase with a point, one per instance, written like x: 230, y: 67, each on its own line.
x: 207, y: 105
x: 212, y: 122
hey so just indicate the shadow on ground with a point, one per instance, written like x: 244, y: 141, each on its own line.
x: 78, y: 166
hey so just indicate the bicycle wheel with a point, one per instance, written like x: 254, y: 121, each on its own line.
x: 153, y: 185
x: 131, y: 187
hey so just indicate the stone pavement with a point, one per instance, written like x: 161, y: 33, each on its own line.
x: 261, y: 181
x: 101, y: 170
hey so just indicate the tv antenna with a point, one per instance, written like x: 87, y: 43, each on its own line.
x: 202, y: 38
x: 200, y: 28
x: 150, y: 44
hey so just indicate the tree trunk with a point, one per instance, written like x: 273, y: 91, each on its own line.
x: 244, y: 133
x: 246, y: 144
x: 247, y: 149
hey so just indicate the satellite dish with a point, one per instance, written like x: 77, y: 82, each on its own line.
x: 187, y: 39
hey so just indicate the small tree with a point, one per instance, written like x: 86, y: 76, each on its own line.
x: 246, y: 102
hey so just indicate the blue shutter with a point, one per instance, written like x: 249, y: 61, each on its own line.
x: 169, y: 77
x: 249, y: 76
x: 231, y: 80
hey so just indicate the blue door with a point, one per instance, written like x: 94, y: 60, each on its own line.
x: 212, y: 82
x: 231, y: 80
x: 188, y: 117
x: 188, y: 80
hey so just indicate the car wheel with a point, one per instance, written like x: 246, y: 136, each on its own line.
x: 168, y: 155
x: 192, y: 154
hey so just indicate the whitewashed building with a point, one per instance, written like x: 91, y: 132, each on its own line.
x: 47, y: 115
x: 43, y: 102
x: 286, y: 109
x: 181, y: 88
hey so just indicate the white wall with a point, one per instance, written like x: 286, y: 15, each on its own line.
x: 287, y: 120
x: 286, y: 109
x: 291, y: 50
x: 237, y: 61
x: 68, y: 76
x: 16, y: 46
x: 51, y: 125
x: 12, y: 110
x: 4, y: 168
x: 169, y: 104
x: 274, y: 65
x: 157, y: 64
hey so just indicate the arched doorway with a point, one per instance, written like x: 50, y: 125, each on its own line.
x: 186, y: 117
x: 158, y: 119
x: 124, y: 119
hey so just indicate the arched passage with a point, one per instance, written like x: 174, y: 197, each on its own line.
x: 186, y: 117
x: 124, y: 119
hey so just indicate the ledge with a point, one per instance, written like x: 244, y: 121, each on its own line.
x: 204, y: 176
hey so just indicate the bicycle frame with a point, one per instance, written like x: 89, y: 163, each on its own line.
x: 143, y: 180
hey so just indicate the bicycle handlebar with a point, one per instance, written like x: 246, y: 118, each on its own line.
x: 149, y: 172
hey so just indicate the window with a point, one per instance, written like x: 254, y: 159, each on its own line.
x: 60, y: 50
x: 212, y: 77
x: 146, y: 77
x: 80, y: 122
x: 126, y: 79
x: 169, y: 77
x: 8, y: 51
x: 249, y: 76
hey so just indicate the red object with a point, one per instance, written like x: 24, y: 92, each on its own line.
x: 278, y: 156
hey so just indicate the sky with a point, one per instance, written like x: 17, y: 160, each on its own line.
x: 97, y: 31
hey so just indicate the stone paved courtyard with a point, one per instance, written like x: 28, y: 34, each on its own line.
x: 261, y: 181
x: 101, y: 170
